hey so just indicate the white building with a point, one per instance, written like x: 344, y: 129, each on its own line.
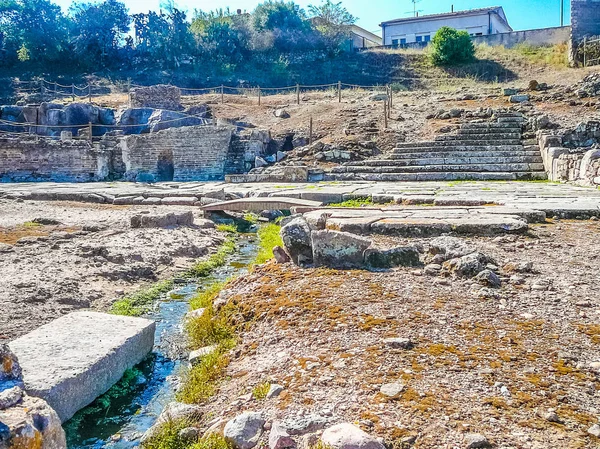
x: 362, y: 38
x: 477, y: 22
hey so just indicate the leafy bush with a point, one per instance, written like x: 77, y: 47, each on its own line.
x: 450, y: 46
x: 269, y: 237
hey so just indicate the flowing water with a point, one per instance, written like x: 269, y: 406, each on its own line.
x: 118, y: 421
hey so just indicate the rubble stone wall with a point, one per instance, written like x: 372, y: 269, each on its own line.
x: 543, y: 36
x: 160, y: 96
x: 46, y: 160
x: 585, y: 22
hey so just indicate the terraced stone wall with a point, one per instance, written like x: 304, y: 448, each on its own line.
x: 45, y: 160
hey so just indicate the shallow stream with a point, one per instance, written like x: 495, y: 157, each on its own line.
x: 119, y: 421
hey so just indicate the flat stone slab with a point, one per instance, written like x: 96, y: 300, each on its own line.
x: 72, y: 360
x: 262, y: 203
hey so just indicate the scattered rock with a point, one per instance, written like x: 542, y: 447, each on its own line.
x: 348, y: 436
x: 280, y: 255
x: 10, y: 397
x: 398, y: 343
x: 392, y: 390
x: 281, y: 113
x: 467, y: 266
x: 406, y: 256
x: 489, y: 278
x: 189, y: 433
x: 476, y: 441
x: 518, y: 98
x: 274, y: 391
x: 279, y: 438
x: 594, y: 430
x: 449, y: 248
x: 304, y: 424
x: 244, y: 430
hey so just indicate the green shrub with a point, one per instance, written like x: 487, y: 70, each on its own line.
x: 261, y: 390
x: 450, y: 46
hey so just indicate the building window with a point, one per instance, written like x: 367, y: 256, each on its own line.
x: 394, y: 42
x: 427, y: 38
x: 419, y: 38
x: 478, y: 34
x: 403, y: 41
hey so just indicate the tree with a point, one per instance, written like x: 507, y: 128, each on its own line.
x: 450, y: 46
x: 98, y: 30
x: 33, y: 29
x: 333, y: 21
x: 279, y: 15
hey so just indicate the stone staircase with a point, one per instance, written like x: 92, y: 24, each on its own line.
x: 479, y: 151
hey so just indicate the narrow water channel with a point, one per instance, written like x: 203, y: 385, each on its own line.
x: 121, y: 423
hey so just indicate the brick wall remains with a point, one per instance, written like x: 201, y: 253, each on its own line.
x: 585, y: 22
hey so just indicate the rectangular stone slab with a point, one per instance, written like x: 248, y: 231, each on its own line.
x: 72, y: 360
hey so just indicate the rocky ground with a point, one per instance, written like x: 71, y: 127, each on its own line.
x: 56, y: 257
x: 424, y: 358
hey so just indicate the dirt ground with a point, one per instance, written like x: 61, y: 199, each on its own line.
x: 86, y: 258
x: 518, y: 364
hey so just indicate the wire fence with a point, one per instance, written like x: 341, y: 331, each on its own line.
x: 590, y: 49
x: 224, y: 93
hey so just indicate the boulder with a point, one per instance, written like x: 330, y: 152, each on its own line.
x: 296, y: 238
x: 31, y: 424
x: 10, y: 397
x: 338, y: 249
x: 163, y: 119
x: 518, y: 98
x: 467, y: 266
x: 281, y: 113
x: 134, y: 116
x: 10, y: 370
x: 80, y: 114
x: 348, y: 436
x: 162, y: 221
x: 488, y: 278
x: 406, y: 256
x: 244, y: 431
x: 449, y: 248
x: 280, y: 255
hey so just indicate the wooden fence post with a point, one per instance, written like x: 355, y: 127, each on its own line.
x: 90, y: 93
x: 90, y: 131
x: 584, y: 51
x: 391, y: 98
x: 310, y: 130
x: 222, y: 95
x: 339, y: 91
x: 259, y: 95
x: 385, y: 117
x: 73, y: 91
x: 55, y: 88
x: 297, y: 93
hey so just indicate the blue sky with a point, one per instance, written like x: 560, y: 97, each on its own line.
x: 521, y: 14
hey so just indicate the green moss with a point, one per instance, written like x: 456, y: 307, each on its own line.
x: 31, y: 224
x: 355, y: 202
x: 268, y: 237
x: 260, y: 391
x: 142, y: 301
x: 229, y: 228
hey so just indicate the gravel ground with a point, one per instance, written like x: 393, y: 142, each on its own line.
x: 518, y: 364
x: 87, y: 258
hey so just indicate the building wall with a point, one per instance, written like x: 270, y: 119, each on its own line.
x: 474, y: 25
x: 44, y: 160
x: 196, y: 153
x: 543, y: 36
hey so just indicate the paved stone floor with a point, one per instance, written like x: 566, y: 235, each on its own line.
x: 554, y: 199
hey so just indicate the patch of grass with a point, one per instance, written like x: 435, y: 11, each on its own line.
x: 212, y: 441
x: 200, y: 382
x: 260, y: 391
x: 251, y: 218
x: 355, y: 202
x: 31, y: 224
x: 229, y: 228
x: 141, y: 302
x: 214, y: 261
x: 268, y: 236
x: 167, y: 436
x: 206, y: 297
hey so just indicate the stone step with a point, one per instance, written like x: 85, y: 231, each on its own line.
x: 452, y: 160
x: 511, y: 119
x: 440, y: 168
x: 436, y: 176
x: 418, y: 154
x: 490, y: 126
x: 471, y: 137
x: 454, y: 145
x: 489, y: 131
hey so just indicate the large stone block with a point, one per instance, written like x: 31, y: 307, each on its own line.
x: 72, y: 360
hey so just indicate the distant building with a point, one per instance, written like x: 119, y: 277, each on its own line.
x: 362, y: 38
x: 477, y: 22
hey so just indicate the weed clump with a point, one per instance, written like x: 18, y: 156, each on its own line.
x: 260, y: 391
x: 214, y: 261
x: 141, y: 302
x: 355, y: 202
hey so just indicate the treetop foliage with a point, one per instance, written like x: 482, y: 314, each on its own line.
x: 102, y: 35
x: 450, y: 46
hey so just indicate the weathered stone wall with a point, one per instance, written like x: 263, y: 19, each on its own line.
x: 543, y: 36
x: 195, y: 153
x: 47, y: 160
x: 585, y: 22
